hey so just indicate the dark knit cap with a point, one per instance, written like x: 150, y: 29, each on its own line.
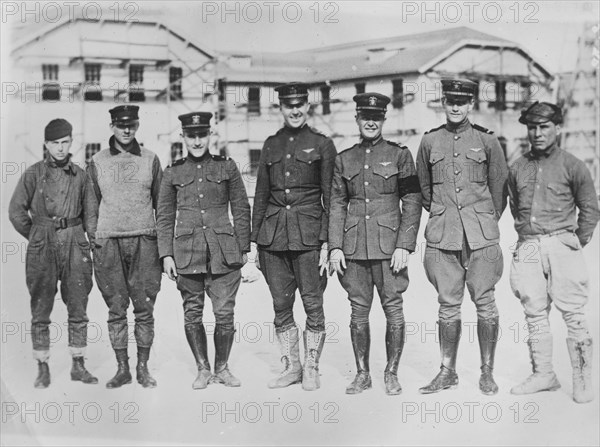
x: 56, y: 129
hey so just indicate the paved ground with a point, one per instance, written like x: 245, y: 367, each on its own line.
x: 69, y: 413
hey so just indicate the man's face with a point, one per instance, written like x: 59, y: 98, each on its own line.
x: 196, y: 142
x: 295, y: 115
x: 543, y: 135
x: 370, y: 125
x: 59, y: 149
x: 125, y: 133
x: 457, y: 109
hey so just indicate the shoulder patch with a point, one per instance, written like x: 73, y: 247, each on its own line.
x: 318, y: 132
x: 482, y: 129
x: 435, y: 129
x: 177, y: 162
x: 393, y: 143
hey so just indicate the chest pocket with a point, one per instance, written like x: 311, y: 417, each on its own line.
x: 274, y: 166
x: 351, y: 177
x: 386, y: 177
x: 218, y: 185
x: 477, y: 166
x: 309, y: 165
x: 436, y: 162
x: 559, y: 197
x: 186, y: 189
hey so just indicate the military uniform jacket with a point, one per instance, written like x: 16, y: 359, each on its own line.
x: 193, y: 222
x: 291, y: 203
x: 369, y: 181
x: 463, y: 173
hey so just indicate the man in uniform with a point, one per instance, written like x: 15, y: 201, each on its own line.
x: 199, y: 247
x: 547, y: 186
x: 462, y: 170
x: 48, y: 208
x: 126, y: 179
x: 289, y: 225
x: 371, y: 234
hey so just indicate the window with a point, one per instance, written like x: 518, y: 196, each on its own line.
x: 90, y: 150
x: 360, y: 87
x: 50, y: 87
x: 500, y: 103
x: 476, y: 97
x: 325, y: 103
x: 397, y: 93
x: 176, y: 151
x: 92, y: 90
x: 254, y: 101
x: 221, y: 86
x: 175, y: 75
x: 254, y: 160
x: 136, y: 83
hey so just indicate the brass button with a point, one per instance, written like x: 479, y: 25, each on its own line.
x: 367, y: 217
x: 287, y: 207
x: 287, y: 191
x: 287, y: 174
x: 366, y: 166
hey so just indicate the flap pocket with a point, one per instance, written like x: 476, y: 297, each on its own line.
x: 350, y: 172
x: 436, y: 157
x: 476, y: 156
x: 273, y: 157
x: 351, y: 222
x: 224, y: 230
x: 389, y: 221
x: 271, y: 211
x: 385, y: 171
x: 182, y: 181
x: 436, y: 209
x: 217, y: 175
x: 558, y: 189
x: 484, y: 208
x: 179, y: 232
x: 308, y: 157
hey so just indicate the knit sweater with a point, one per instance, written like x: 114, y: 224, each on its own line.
x: 126, y: 184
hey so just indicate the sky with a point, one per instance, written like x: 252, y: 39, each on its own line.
x: 549, y: 30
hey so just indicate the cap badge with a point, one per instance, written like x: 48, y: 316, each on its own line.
x: 372, y: 100
x: 196, y: 119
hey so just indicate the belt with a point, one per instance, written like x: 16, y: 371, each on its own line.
x: 541, y: 236
x: 57, y: 222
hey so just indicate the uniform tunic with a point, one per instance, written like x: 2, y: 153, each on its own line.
x: 462, y: 171
x: 194, y: 228
x: 290, y: 219
x: 375, y: 209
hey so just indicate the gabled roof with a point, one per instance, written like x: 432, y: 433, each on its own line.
x: 415, y: 53
x: 29, y: 35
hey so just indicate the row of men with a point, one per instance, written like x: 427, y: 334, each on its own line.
x: 356, y: 213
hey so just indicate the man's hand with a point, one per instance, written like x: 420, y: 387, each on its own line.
x: 399, y: 260
x: 323, y: 259
x: 337, y: 262
x: 169, y: 267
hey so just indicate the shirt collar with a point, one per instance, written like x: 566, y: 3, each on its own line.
x: 116, y: 149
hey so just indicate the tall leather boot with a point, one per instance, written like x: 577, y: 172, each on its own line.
x: 394, y: 343
x: 196, y: 337
x: 223, y: 343
x: 143, y: 375
x: 123, y: 376
x: 361, y: 343
x: 43, y: 378
x: 487, y: 333
x: 313, y: 347
x: 80, y: 373
x: 289, y: 344
x: 543, y: 377
x: 581, y: 360
x: 447, y: 378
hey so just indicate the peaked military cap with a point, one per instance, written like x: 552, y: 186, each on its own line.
x: 293, y: 93
x: 195, y: 121
x: 124, y: 114
x: 459, y: 88
x: 541, y: 112
x: 371, y: 103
